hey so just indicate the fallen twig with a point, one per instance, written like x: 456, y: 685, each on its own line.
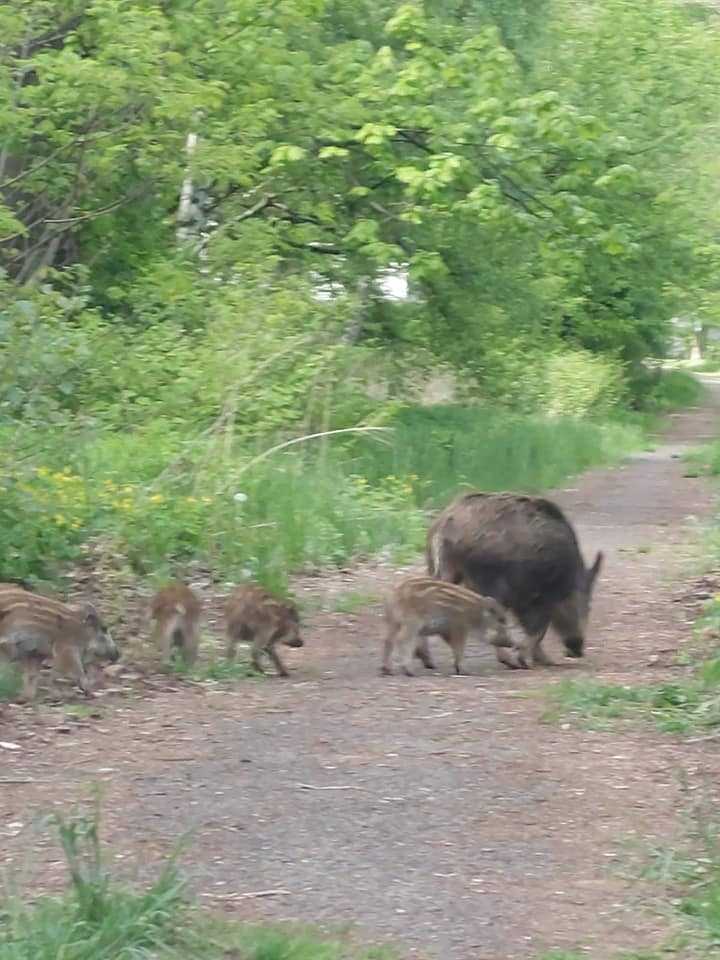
x: 436, y: 716
x: 248, y: 896
x: 310, y: 786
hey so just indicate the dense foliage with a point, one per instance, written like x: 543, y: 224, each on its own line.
x: 201, y: 202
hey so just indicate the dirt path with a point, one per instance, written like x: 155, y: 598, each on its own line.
x: 438, y: 814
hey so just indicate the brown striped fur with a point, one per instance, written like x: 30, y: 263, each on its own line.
x: 419, y: 607
x: 36, y: 630
x: 176, y: 611
x: 252, y: 615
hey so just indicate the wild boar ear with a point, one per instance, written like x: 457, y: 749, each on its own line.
x: 595, y: 569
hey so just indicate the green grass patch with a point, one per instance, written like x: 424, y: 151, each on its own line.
x: 691, y: 876
x: 682, y: 707
x: 219, y: 671
x: 10, y: 682
x: 97, y: 918
x: 100, y: 918
x: 353, y: 601
x: 252, y: 942
x: 688, y: 704
x: 80, y: 711
x: 163, y: 499
x: 688, y: 876
x: 705, y: 461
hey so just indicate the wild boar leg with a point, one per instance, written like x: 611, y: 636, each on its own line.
x: 67, y: 660
x: 388, y: 646
x: 422, y: 652
x: 163, y: 643
x: 31, y: 675
x: 192, y: 645
x: 279, y: 665
x: 534, y: 623
x: 407, y: 644
x: 538, y: 654
x: 456, y: 641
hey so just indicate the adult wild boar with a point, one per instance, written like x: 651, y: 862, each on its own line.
x: 523, y: 552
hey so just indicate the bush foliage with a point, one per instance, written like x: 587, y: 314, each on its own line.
x: 199, y: 223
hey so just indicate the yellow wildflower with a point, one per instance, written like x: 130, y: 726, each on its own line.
x: 59, y: 519
x: 157, y: 498
x: 42, y: 471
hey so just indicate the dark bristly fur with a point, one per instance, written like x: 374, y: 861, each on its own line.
x: 522, y: 551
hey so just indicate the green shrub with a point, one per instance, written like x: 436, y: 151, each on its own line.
x: 552, y: 380
x: 581, y: 384
x: 672, y: 389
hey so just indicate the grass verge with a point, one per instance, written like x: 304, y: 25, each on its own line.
x: 688, y: 878
x: 706, y: 460
x: 164, y: 500
x: 683, y: 707
x: 100, y: 918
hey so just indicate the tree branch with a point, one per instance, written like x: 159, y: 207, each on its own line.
x: 101, y: 211
x: 315, y: 246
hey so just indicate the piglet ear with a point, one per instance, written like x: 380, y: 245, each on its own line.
x: 89, y: 614
x: 595, y: 569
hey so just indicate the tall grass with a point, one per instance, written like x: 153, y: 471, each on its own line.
x: 97, y: 918
x: 444, y: 447
x: 163, y: 499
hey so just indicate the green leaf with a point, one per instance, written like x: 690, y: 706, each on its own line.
x: 287, y: 153
x: 326, y: 153
x: 375, y: 133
